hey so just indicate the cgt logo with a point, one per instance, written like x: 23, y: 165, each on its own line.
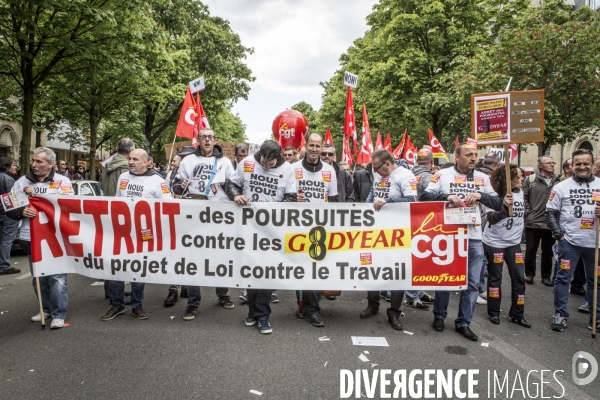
x: 440, y: 244
x: 286, y: 132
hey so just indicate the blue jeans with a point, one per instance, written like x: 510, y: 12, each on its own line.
x: 194, y: 296
x: 414, y: 295
x: 8, y: 230
x: 569, y: 252
x: 117, y: 293
x: 468, y: 297
x: 53, y: 288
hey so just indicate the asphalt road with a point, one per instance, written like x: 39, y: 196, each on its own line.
x: 216, y: 356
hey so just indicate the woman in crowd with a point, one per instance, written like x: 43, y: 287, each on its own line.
x: 501, y: 243
x: 79, y: 173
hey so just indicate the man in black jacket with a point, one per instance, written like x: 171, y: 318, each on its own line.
x: 344, y: 181
x: 363, y: 182
x: 8, y: 226
x: 536, y: 190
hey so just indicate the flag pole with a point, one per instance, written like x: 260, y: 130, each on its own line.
x: 507, y: 164
x: 172, y: 147
x: 595, y: 299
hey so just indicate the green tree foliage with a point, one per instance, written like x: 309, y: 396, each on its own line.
x: 549, y: 47
x: 311, y: 115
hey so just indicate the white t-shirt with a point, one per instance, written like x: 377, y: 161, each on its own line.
x: 263, y: 185
x: 452, y: 182
x: 59, y: 186
x: 150, y: 186
x: 198, y: 170
x: 316, y: 186
x: 576, y: 203
x: 508, y: 231
x: 400, y: 183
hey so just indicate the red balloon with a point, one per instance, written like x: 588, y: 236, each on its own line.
x: 289, y: 126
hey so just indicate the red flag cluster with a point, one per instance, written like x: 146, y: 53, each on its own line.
x: 192, y: 118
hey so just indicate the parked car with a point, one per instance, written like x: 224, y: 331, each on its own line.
x: 81, y: 188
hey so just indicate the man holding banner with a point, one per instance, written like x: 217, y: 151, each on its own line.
x: 43, y: 180
x: 263, y: 177
x: 461, y: 186
x: 316, y: 182
x: 139, y: 182
x: 202, y: 175
x: 392, y: 184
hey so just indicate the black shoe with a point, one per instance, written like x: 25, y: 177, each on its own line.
x: 369, y: 312
x: 184, y: 292
x: 226, y: 302
x: 127, y: 294
x: 316, y: 319
x: 521, y: 322
x: 395, y: 322
x: 547, y: 282
x: 529, y: 280
x: 10, y: 271
x: 467, y: 333
x: 426, y: 299
x: 171, y: 298
x: 330, y: 297
x: 579, y: 291
x: 438, y: 324
x: 495, y: 320
x: 190, y: 313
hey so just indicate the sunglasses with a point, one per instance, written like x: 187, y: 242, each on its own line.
x: 325, y: 154
x: 377, y: 169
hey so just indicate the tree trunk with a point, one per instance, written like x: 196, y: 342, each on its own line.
x: 38, y: 138
x: 148, y: 125
x: 26, y: 125
x: 541, y: 149
x: 435, y: 126
x: 94, y: 122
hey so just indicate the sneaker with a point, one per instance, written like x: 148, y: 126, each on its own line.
x: 250, y: 321
x: 388, y: 296
x: 584, y: 307
x: 226, y: 302
x: 140, y: 313
x: 113, y: 312
x: 559, y: 323
x: 481, y: 300
x: 529, y: 280
x: 184, y: 292
x: 57, y: 323
x: 274, y: 299
x: 417, y: 304
x: 9, y: 271
x: 190, y: 313
x: 426, y: 298
x: 483, y: 295
x: 264, y: 326
x: 316, y: 319
x: 578, y: 291
x: 300, y: 314
x: 589, y: 326
x: 172, y: 298
x: 243, y: 295
x: 38, y: 318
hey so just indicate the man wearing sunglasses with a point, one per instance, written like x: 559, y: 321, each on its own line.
x: 344, y: 181
x: 289, y: 153
x: 458, y: 185
x: 391, y: 184
x: 201, y: 176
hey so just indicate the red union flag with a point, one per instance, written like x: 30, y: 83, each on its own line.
x: 378, y: 143
x: 410, y: 155
x: 445, y: 246
x: 328, y: 139
x: 397, y: 153
x: 387, y: 143
x: 346, y: 153
x: 350, y: 119
x: 366, y: 148
x: 187, y: 118
x: 436, y: 147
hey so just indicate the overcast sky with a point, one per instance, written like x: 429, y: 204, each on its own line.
x: 297, y: 44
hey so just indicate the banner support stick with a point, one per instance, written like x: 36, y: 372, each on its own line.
x: 595, y: 302
x: 39, y: 294
x: 172, y: 148
x: 508, y: 180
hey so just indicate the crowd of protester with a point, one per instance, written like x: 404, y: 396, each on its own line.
x: 556, y: 213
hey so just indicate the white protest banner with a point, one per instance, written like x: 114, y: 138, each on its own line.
x: 197, y: 85
x: 264, y: 245
x: 350, y: 79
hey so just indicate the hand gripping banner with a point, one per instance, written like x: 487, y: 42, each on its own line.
x: 329, y: 246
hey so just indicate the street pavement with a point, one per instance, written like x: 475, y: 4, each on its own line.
x: 216, y: 356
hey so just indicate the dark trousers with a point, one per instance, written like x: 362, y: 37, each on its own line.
x: 533, y: 237
x: 517, y: 280
x: 397, y: 297
x: 578, y: 281
x: 259, y: 303
x: 310, y: 301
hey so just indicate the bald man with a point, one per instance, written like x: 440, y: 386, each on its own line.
x: 139, y: 182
